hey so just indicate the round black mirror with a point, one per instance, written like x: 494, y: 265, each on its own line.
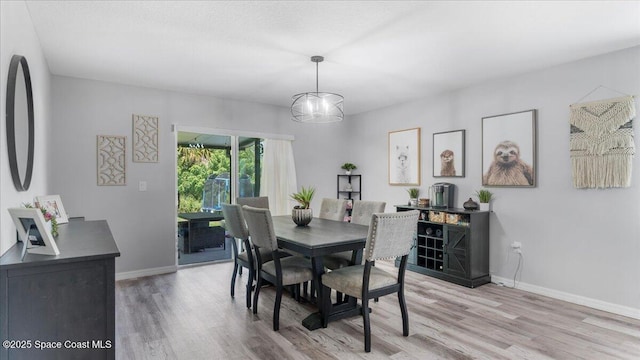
x: 20, y: 124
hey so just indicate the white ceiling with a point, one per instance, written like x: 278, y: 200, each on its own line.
x: 376, y: 53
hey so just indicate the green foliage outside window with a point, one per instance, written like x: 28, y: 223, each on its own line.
x: 195, y: 165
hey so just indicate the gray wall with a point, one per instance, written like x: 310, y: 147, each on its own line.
x: 579, y: 242
x: 17, y: 36
x: 143, y: 223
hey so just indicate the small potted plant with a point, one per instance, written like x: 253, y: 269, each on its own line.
x: 484, y: 196
x: 347, y: 167
x: 413, y: 196
x: 302, y: 213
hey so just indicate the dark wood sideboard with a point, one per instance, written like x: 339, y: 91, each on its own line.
x: 457, y: 252
x: 66, y: 300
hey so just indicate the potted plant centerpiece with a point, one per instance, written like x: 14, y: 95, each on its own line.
x: 413, y: 196
x: 347, y: 167
x: 302, y: 213
x: 484, y: 196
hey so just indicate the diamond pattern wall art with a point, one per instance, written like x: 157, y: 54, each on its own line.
x: 111, y: 160
x: 145, y: 138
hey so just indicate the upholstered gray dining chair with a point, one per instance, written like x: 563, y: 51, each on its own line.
x: 390, y: 236
x: 236, y: 228
x: 281, y: 271
x: 333, y: 209
x: 360, y: 214
x: 261, y: 202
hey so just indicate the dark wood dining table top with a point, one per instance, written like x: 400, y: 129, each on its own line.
x: 320, y: 237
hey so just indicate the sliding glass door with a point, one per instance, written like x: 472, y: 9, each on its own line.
x: 250, y: 156
x: 212, y: 170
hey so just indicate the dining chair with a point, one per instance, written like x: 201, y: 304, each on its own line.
x: 333, y: 209
x: 280, y: 271
x: 360, y: 214
x: 261, y: 202
x: 236, y: 227
x: 390, y: 236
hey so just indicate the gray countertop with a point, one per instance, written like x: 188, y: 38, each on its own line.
x: 77, y: 241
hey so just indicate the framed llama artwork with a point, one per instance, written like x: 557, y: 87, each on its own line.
x: 404, y: 157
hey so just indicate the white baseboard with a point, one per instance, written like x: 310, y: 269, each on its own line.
x: 572, y: 298
x: 146, y: 272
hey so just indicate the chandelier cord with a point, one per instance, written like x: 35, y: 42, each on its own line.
x: 317, y: 78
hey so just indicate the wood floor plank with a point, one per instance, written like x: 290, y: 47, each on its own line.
x: 190, y: 315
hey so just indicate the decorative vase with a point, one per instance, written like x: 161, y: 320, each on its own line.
x: 413, y: 202
x: 470, y: 205
x: 302, y: 217
x: 347, y: 172
x: 485, y: 206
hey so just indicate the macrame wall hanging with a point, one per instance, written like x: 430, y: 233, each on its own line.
x: 601, y: 143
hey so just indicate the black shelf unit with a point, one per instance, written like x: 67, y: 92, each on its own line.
x: 355, y: 181
x: 356, y: 187
x: 457, y: 252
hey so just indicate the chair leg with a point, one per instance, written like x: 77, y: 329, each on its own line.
x: 367, y: 325
x: 296, y: 292
x: 249, y: 288
x: 233, y: 279
x: 257, y: 293
x: 338, y: 297
x: 405, y: 314
x: 276, y: 309
x: 240, y: 271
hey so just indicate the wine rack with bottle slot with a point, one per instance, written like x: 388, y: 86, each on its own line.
x: 430, y: 243
x: 451, y: 244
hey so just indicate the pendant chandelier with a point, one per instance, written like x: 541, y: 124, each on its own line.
x: 317, y: 107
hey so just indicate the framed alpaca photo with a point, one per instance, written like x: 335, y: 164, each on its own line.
x: 509, y: 149
x: 404, y: 157
x: 448, y: 154
x: 53, y: 205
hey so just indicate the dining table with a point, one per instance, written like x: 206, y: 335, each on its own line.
x: 322, y: 237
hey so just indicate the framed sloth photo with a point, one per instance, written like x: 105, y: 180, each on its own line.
x: 448, y: 154
x: 509, y: 149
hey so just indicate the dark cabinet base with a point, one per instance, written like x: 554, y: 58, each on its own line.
x: 454, y: 279
x: 61, y: 307
x: 74, y: 299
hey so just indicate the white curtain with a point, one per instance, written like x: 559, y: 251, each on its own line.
x: 278, y: 179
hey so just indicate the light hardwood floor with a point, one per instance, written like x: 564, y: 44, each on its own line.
x: 190, y: 315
